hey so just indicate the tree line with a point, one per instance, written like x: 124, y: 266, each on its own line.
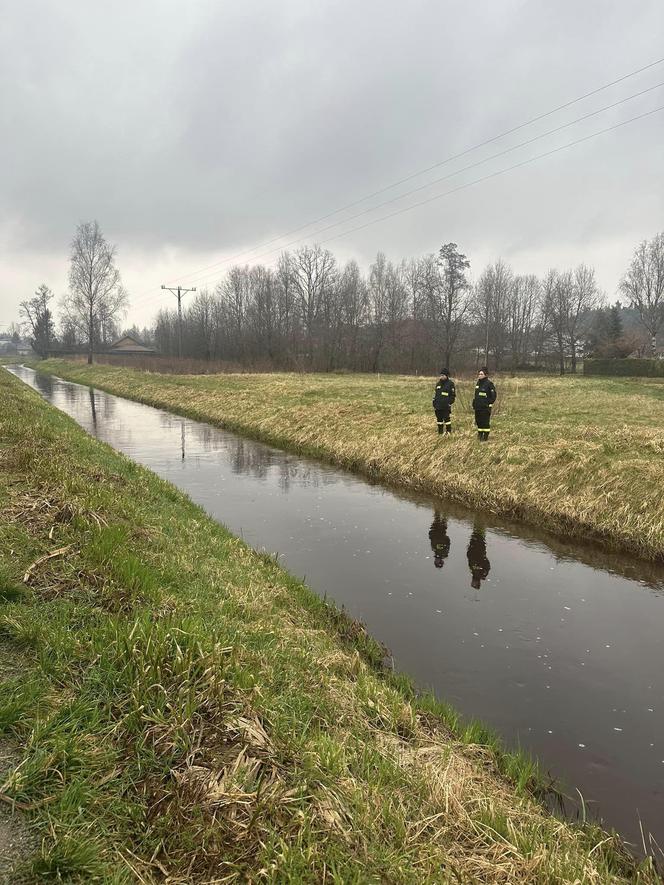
x: 312, y: 313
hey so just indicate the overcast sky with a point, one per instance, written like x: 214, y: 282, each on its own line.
x: 196, y: 131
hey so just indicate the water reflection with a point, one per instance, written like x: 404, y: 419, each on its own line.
x: 567, y: 666
x: 440, y: 540
x: 93, y: 408
x: 478, y: 561
x: 245, y: 457
x: 44, y: 384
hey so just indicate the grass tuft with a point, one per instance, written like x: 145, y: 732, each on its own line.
x: 188, y: 712
x: 555, y: 458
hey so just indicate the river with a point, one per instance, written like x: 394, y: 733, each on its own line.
x: 558, y: 646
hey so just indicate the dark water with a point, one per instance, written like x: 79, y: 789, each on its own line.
x: 559, y: 647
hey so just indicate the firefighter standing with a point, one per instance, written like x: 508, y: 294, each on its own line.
x: 483, y: 400
x: 440, y: 540
x: 443, y: 399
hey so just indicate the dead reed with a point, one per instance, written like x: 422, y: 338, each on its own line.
x: 224, y: 724
x: 578, y: 456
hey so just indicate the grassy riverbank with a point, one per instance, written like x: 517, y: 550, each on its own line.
x: 185, y: 710
x: 580, y: 456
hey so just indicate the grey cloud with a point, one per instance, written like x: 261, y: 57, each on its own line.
x: 210, y: 126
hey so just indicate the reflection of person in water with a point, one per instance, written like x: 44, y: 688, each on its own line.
x: 440, y: 540
x: 478, y: 563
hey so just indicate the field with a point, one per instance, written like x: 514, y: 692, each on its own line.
x: 579, y: 456
x: 181, y: 709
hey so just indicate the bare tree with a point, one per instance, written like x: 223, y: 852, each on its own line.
x: 96, y: 297
x: 453, y: 289
x: 411, y: 276
x: 429, y: 285
x: 38, y: 317
x: 397, y: 309
x: 490, y: 308
x: 558, y: 291
x: 643, y: 284
x: 569, y: 300
x: 482, y: 308
x: 584, y: 298
x: 378, y: 283
x: 203, y: 318
x: 314, y: 270
x: 235, y: 293
x: 286, y: 318
x: 542, y: 322
x: 522, y: 302
x: 502, y: 284
x: 353, y: 296
x: 68, y: 334
x: 264, y: 311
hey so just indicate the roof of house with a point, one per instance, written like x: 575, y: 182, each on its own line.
x: 128, y: 343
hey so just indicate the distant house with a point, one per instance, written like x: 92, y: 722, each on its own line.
x: 129, y: 345
x: 9, y: 347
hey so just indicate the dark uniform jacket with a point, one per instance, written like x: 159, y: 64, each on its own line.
x: 440, y: 540
x: 444, y: 394
x: 485, y: 394
x: 478, y: 562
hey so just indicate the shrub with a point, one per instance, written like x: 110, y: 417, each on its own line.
x: 637, y: 368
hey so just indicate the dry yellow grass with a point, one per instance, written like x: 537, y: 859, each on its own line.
x: 222, y: 724
x: 580, y: 456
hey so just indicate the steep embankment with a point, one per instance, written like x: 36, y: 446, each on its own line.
x: 579, y: 456
x: 190, y: 712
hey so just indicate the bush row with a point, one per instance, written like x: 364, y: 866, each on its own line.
x: 637, y: 368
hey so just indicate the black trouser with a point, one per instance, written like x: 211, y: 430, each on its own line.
x: 483, y: 422
x: 443, y: 419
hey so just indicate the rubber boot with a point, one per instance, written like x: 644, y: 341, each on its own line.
x: 480, y: 435
x: 448, y: 427
x: 441, y: 429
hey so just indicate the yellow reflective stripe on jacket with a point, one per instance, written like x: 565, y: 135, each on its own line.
x: 481, y: 393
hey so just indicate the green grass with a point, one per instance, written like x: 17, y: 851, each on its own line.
x: 579, y: 456
x: 188, y: 710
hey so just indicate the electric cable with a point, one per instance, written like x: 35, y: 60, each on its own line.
x: 474, y: 165
x: 430, y: 168
x: 470, y: 183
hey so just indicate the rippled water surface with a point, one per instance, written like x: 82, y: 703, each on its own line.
x: 559, y: 647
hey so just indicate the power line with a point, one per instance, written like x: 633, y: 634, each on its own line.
x: 495, y: 174
x: 437, y: 165
x: 474, y: 165
x: 469, y: 184
x: 466, y: 168
x: 476, y: 181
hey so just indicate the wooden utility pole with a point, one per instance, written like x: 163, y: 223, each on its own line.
x: 179, y: 291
